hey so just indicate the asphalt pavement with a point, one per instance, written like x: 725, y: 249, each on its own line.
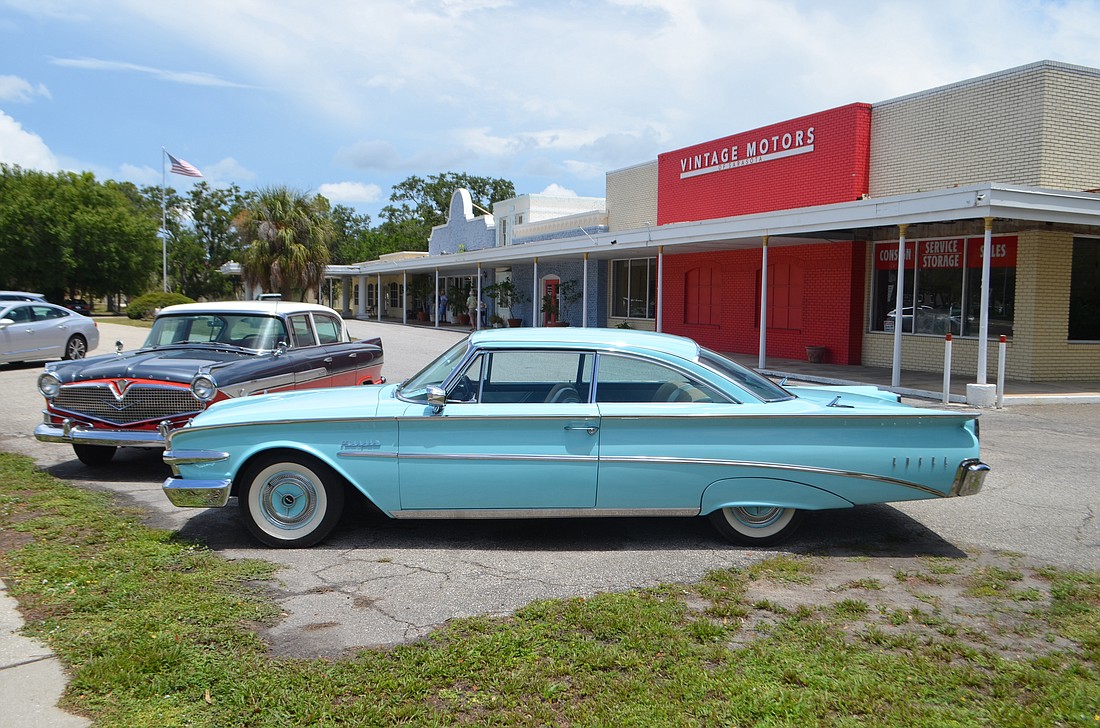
x: 380, y: 582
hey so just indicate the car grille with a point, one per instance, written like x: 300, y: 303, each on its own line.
x: 137, y: 404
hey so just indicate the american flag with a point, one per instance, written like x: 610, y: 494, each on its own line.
x: 185, y: 168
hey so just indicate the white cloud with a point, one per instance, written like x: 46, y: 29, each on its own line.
x: 23, y: 148
x: 556, y: 190
x: 227, y: 170
x: 375, y: 154
x: 192, y: 78
x: 351, y: 192
x: 13, y: 88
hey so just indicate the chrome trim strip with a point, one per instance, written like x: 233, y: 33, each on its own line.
x: 634, y: 459
x: 363, y: 454
x: 546, y: 513
x: 500, y: 456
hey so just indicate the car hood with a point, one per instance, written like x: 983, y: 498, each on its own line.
x: 335, y: 403
x: 169, y: 364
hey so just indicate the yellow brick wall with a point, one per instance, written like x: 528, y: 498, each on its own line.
x: 1037, y: 125
x: 632, y: 197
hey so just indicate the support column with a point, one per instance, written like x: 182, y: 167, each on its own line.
x: 477, y: 319
x: 345, y: 295
x: 763, y: 345
x: 404, y: 297
x: 535, y: 295
x: 378, y: 296
x: 436, y: 309
x: 584, y: 293
x: 660, y: 287
x: 899, y: 318
x: 361, y: 303
x: 983, y: 325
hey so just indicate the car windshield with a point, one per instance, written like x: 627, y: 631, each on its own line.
x: 249, y: 331
x: 433, y: 375
x: 759, y: 386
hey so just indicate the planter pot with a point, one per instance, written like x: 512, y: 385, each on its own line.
x: 814, y: 354
x: 421, y: 315
x: 515, y: 323
x: 464, y: 319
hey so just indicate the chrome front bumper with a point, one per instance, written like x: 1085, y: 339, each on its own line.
x: 969, y: 478
x: 186, y: 493
x: 78, y: 433
x: 195, y: 493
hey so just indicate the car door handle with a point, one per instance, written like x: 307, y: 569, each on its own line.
x: 328, y: 360
x: 590, y: 429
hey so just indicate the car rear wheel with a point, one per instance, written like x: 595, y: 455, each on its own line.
x: 94, y: 455
x: 756, y: 525
x: 290, y: 500
x: 76, y: 347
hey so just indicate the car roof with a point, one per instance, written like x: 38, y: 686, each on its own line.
x: 266, y: 308
x: 570, y: 337
x: 21, y: 296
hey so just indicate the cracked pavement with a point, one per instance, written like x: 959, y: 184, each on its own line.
x: 379, y: 582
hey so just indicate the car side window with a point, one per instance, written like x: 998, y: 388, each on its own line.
x: 625, y: 379
x: 20, y: 314
x: 301, y: 331
x: 328, y: 329
x: 44, y: 313
x: 550, y: 377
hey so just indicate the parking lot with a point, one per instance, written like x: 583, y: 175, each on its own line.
x: 379, y: 582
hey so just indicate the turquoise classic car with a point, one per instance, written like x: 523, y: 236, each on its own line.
x: 563, y: 422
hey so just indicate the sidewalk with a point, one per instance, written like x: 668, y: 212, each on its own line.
x: 31, y: 678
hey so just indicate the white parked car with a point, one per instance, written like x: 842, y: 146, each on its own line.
x: 38, y: 330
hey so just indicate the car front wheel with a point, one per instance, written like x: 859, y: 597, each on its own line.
x: 290, y: 500
x: 756, y: 525
x: 76, y: 347
x: 94, y: 455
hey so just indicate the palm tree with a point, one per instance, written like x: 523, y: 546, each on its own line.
x: 287, y: 234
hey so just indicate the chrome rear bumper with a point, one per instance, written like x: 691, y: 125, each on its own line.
x: 969, y: 478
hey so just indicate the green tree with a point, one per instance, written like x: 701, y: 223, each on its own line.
x: 352, y: 241
x: 66, y: 234
x: 288, y: 236
x: 419, y: 204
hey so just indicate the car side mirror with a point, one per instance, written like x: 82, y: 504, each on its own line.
x: 5, y: 323
x: 437, y: 398
x: 280, y: 348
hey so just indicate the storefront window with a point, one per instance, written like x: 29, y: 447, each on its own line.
x: 634, y: 288
x: 942, y: 291
x: 1084, y: 291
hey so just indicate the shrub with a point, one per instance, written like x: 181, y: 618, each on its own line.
x: 146, y: 304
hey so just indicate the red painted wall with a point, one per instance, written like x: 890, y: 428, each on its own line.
x: 813, y: 160
x: 830, y: 300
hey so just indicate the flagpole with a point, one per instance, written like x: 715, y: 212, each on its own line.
x: 164, y: 218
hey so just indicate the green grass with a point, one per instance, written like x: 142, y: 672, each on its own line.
x: 157, y: 631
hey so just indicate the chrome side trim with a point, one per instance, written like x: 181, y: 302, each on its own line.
x: 635, y: 459
x: 500, y: 456
x: 362, y: 454
x: 547, y: 513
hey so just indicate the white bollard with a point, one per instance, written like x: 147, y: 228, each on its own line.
x: 947, y: 369
x: 1002, y: 349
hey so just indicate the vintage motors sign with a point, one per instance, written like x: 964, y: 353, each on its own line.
x: 814, y: 160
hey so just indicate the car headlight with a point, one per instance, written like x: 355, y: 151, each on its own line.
x: 48, y: 385
x: 204, y: 388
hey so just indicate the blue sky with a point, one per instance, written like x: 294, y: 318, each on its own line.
x: 349, y: 97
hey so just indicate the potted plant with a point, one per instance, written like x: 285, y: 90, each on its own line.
x: 505, y: 294
x: 422, y: 292
x: 496, y: 321
x: 456, y: 302
x: 568, y: 292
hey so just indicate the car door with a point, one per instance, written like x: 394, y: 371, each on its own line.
x: 658, y: 428
x: 517, y: 433
x: 52, y: 328
x: 341, y: 358
x: 18, y: 338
